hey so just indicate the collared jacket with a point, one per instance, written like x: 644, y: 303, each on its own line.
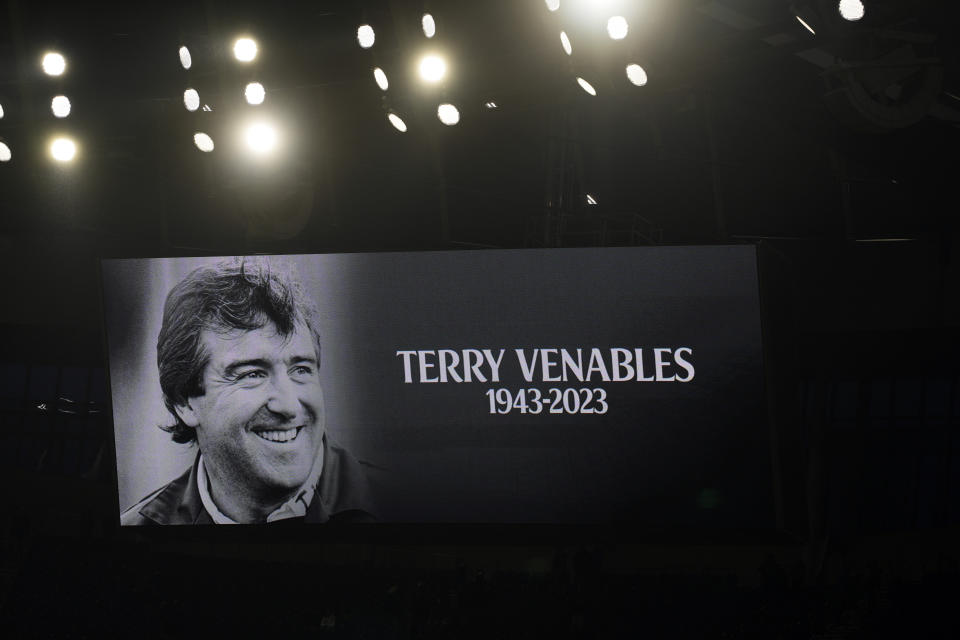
x: 342, y: 496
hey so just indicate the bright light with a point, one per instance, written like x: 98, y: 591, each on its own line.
x: 591, y: 200
x: 565, y: 41
x: 60, y: 105
x: 636, y: 74
x: 808, y: 27
x: 365, y: 36
x: 203, y: 142
x: 553, y: 5
x: 851, y: 10
x: 381, y: 79
x: 261, y: 138
x: 433, y: 68
x: 63, y: 149
x: 245, y: 49
x: 429, y: 26
x: 1, y: 110
x: 491, y: 105
x: 448, y: 114
x: 54, y: 64
x: 617, y: 27
x: 5, y: 154
x: 191, y: 99
x: 254, y: 93
x: 397, y: 123
x: 185, y: 58
x: 586, y: 86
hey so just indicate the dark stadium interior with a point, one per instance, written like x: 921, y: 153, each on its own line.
x: 833, y: 153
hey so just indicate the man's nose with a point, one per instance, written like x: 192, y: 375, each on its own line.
x: 283, y: 399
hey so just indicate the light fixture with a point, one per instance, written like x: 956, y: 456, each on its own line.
x: 63, y: 149
x: 365, y: 36
x: 54, y: 64
x: 185, y: 59
x: 203, y: 142
x: 432, y: 68
x: 261, y: 138
x: 636, y: 74
x: 807, y: 26
x: 565, y: 43
x: 586, y: 86
x: 448, y: 114
x: 851, y: 10
x: 397, y: 122
x: 381, y: 79
x: 553, y: 5
x: 245, y: 49
x: 617, y: 27
x: 429, y: 26
x: 254, y: 93
x: 5, y: 154
x: 191, y: 99
x: 60, y: 105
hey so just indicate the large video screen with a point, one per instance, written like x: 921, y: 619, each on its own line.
x: 567, y: 386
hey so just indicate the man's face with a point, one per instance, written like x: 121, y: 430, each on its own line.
x: 260, y: 421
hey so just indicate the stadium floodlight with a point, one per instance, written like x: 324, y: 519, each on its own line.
x: 254, y: 93
x: 806, y: 26
x: 60, y: 105
x: 636, y: 74
x: 565, y: 43
x: 448, y: 114
x: 586, y: 86
x: 261, y: 138
x: 5, y: 154
x: 54, y: 64
x: 185, y: 59
x: 381, y: 79
x: 63, y: 149
x: 397, y: 122
x: 429, y: 25
x: 203, y: 142
x: 851, y: 10
x: 432, y: 68
x: 245, y: 49
x: 191, y: 99
x: 553, y: 5
x: 617, y: 27
x: 365, y: 36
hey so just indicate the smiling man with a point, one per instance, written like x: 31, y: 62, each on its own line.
x: 239, y: 360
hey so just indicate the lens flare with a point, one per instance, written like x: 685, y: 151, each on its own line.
x: 185, y: 59
x: 586, y: 86
x: 429, y: 25
x: 433, y: 68
x: 381, y: 79
x: 245, y: 49
x: 636, y: 74
x: 203, y: 142
x: 254, y: 93
x: 63, y: 149
x: 60, y: 105
x: 365, y: 36
x: 397, y: 122
x: 54, y: 64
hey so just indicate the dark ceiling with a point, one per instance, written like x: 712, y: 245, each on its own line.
x: 750, y: 127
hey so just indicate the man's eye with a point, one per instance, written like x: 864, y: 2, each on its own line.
x: 303, y: 370
x: 251, y: 375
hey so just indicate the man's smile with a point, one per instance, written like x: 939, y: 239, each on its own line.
x: 279, y: 435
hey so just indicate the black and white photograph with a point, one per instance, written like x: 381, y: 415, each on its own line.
x: 480, y: 319
x: 571, y: 386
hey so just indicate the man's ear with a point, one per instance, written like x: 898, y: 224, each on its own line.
x: 187, y: 413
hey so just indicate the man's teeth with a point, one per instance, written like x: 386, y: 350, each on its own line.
x: 279, y: 436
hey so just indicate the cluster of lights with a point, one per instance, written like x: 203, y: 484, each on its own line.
x: 62, y: 148
x: 849, y: 10
x: 617, y: 28
x: 431, y: 67
x: 260, y: 136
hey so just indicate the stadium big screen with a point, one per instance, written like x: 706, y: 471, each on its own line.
x: 568, y: 386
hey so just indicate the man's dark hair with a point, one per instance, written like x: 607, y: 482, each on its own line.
x: 245, y: 294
